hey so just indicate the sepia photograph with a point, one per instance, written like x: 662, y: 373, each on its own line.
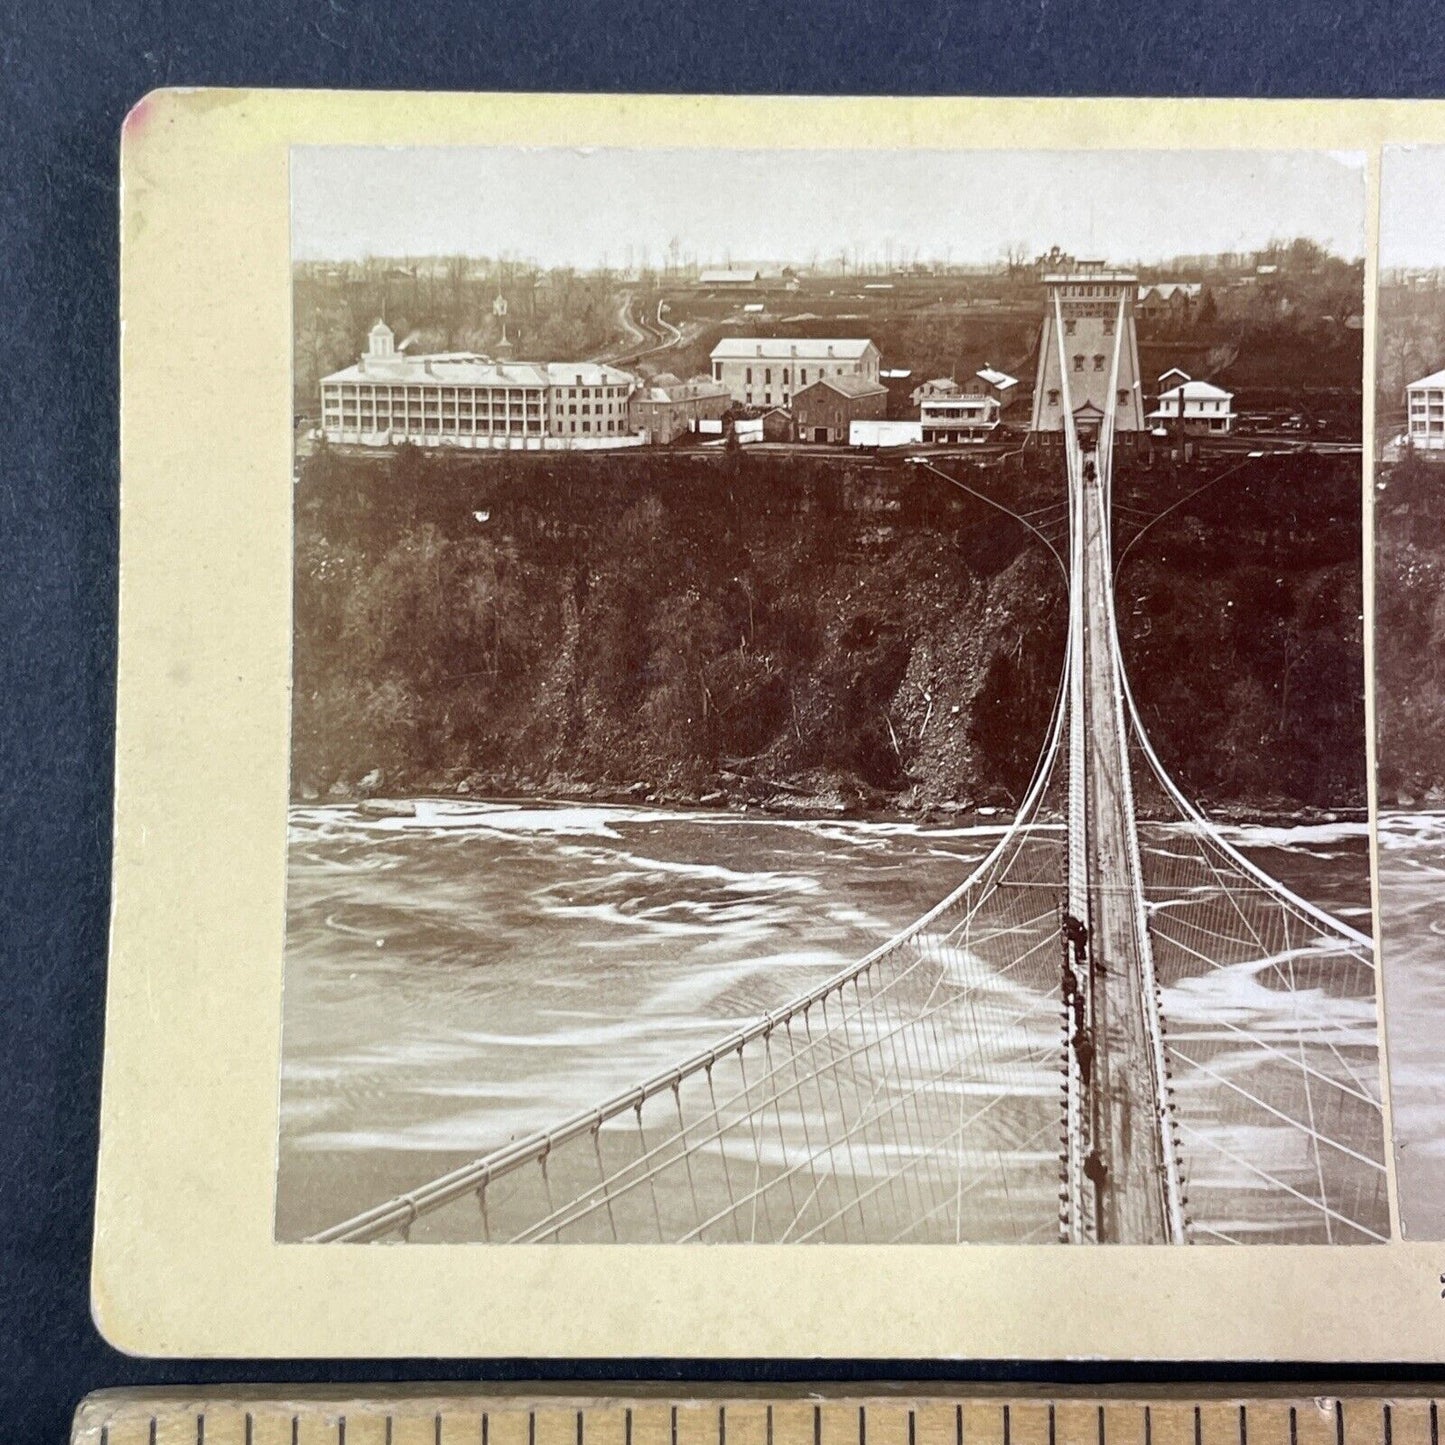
x: 828, y: 699
x: 1409, y: 677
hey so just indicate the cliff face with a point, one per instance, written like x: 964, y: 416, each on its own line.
x: 1241, y: 617
x: 1410, y: 633
x: 742, y: 625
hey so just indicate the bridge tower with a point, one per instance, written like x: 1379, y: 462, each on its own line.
x: 1077, y: 366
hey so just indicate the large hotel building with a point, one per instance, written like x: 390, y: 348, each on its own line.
x: 462, y: 399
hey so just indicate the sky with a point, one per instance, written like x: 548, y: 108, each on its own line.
x: 623, y: 207
x: 1412, y: 206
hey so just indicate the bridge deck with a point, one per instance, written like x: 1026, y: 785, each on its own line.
x: 1129, y: 1204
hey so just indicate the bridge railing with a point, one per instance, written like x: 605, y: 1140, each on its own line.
x: 712, y: 1147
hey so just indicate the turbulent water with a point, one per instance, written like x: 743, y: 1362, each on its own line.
x: 1412, y: 915
x: 475, y: 972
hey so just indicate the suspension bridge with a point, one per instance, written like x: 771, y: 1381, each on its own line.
x: 1113, y: 1031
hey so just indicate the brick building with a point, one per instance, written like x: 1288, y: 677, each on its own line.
x: 823, y: 410
x: 667, y: 407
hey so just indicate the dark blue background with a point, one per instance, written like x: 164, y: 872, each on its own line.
x: 70, y: 72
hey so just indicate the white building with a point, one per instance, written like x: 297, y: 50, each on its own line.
x: 1425, y: 427
x: 1200, y: 406
x: 734, y: 277
x: 884, y: 433
x: 939, y: 386
x: 987, y: 380
x: 958, y: 418
x: 468, y: 400
x: 766, y: 371
x: 998, y: 384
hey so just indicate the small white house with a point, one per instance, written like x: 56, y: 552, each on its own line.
x: 1425, y: 429
x: 1199, y: 406
x: 939, y: 386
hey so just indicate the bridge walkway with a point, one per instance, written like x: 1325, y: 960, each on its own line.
x: 1130, y: 1138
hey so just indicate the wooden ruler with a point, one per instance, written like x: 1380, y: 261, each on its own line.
x: 831, y: 1415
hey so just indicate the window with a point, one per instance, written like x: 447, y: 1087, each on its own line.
x: 768, y: 376
x: 1069, y: 326
x: 1123, y: 398
x: 803, y: 376
x: 1053, y: 398
x: 717, y: 371
x: 586, y: 426
x: 785, y: 376
x: 749, y: 377
x: 1098, y: 363
x: 1078, y: 363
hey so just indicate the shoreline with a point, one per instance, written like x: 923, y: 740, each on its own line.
x: 786, y: 802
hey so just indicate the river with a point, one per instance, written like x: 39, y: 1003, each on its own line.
x: 1412, y: 912
x: 461, y: 977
